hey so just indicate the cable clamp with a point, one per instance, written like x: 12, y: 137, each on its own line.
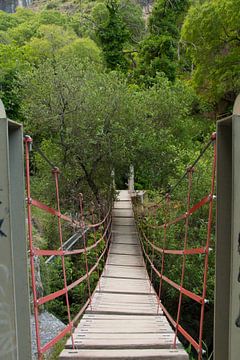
x: 28, y: 140
x: 190, y: 169
x: 28, y: 200
x: 213, y: 136
x: 55, y: 170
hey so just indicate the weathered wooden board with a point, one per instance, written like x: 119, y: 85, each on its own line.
x: 102, y: 336
x: 123, y: 195
x: 125, y: 272
x: 122, y: 249
x: 132, y: 298
x: 122, y: 205
x: 156, y: 317
x: 125, y: 354
x: 125, y: 260
x: 124, y: 230
x: 127, y: 239
x: 125, y: 221
x: 122, y: 213
x: 125, y: 285
x: 139, y: 341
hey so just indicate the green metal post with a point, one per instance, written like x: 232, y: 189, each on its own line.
x: 15, y: 338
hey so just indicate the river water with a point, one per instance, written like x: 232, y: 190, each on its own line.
x: 10, y: 5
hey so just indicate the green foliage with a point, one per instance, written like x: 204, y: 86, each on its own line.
x: 85, y: 110
x: 164, y: 114
x: 167, y: 16
x: 83, y: 49
x: 113, y: 36
x: 211, y: 36
x: 29, y: 38
x: 98, y: 91
x: 158, y: 51
x: 7, y: 21
x: 157, y: 211
x: 157, y: 55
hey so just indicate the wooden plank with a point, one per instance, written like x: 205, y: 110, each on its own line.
x: 134, y: 286
x: 132, y: 235
x: 125, y: 329
x: 137, y: 311
x: 124, y: 230
x: 124, y: 306
x: 121, y: 249
x: 123, y: 309
x: 124, y: 354
x: 130, y: 342
x: 156, y: 336
x: 126, y: 298
x: 122, y: 205
x: 126, y: 240
x: 125, y: 272
x: 123, y: 233
x: 114, y: 327
x: 126, y: 221
x: 121, y: 317
x: 106, y: 306
x: 123, y: 195
x: 123, y: 320
x: 125, y: 260
x: 127, y: 283
x: 122, y: 213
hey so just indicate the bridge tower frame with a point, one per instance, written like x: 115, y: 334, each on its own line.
x: 227, y: 290
x: 15, y: 334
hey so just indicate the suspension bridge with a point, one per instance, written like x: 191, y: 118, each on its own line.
x: 126, y: 315
x: 123, y: 319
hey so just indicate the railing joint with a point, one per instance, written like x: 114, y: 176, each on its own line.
x: 29, y: 200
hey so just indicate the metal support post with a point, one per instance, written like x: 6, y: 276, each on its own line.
x: 15, y: 338
x: 227, y: 291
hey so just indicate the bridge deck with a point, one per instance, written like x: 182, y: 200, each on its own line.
x: 122, y: 321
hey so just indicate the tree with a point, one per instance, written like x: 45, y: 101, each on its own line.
x: 211, y: 36
x: 158, y: 51
x: 164, y: 114
x: 89, y: 115
x: 29, y: 38
x: 113, y: 36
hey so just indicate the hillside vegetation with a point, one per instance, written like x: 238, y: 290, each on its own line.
x: 99, y: 88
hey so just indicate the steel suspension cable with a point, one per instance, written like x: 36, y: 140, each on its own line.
x: 85, y: 247
x: 56, y: 172
x: 209, y: 229
x: 190, y: 172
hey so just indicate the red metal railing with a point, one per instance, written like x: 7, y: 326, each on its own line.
x: 105, y: 238
x: 150, y: 249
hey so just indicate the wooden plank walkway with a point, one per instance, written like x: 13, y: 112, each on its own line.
x: 122, y: 321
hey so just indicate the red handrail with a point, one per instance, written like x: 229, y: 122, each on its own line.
x: 146, y: 243
x: 105, y: 237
